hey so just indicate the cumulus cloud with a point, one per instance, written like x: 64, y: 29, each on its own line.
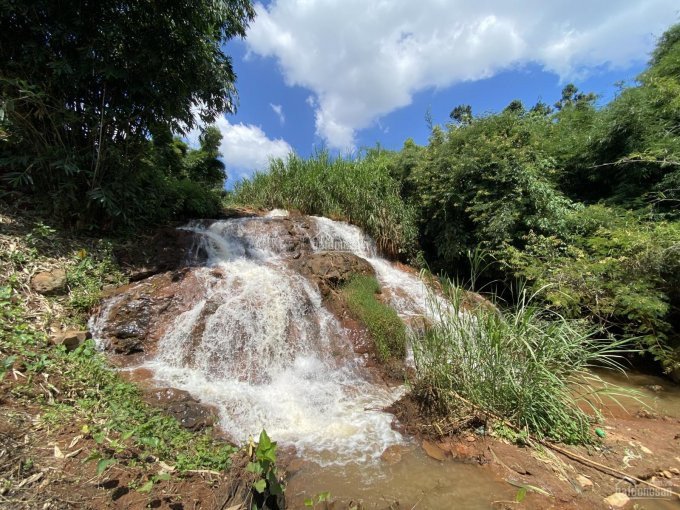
x: 363, y: 59
x: 245, y: 148
x: 278, y: 110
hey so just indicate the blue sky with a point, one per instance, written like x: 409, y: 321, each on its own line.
x: 347, y: 74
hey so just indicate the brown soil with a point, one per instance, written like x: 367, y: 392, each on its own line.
x: 46, y: 468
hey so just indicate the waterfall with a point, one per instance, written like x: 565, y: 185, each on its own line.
x: 259, y: 345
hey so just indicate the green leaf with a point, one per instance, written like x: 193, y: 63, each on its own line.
x: 260, y: 486
x: 164, y: 477
x: 521, y: 494
x: 254, y: 467
x: 104, y: 464
x: 309, y: 502
x: 146, y: 488
x: 92, y: 456
x: 324, y: 496
x: 265, y: 443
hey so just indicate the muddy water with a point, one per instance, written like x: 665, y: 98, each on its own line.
x: 654, y: 394
x: 415, y: 481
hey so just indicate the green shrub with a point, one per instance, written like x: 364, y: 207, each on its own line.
x: 526, y: 365
x: 384, y: 325
x: 485, y: 184
x: 614, y: 269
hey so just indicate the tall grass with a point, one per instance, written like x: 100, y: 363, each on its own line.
x: 526, y: 365
x: 360, y: 191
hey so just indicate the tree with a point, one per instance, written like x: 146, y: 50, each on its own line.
x: 572, y: 97
x: 203, y: 165
x: 515, y: 106
x: 462, y: 114
x: 83, y: 85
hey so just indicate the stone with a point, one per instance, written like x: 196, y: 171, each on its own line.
x: 667, y: 474
x: 392, y: 454
x: 70, y: 338
x: 49, y: 282
x: 433, y: 450
x: 584, y: 483
x: 675, y: 471
x: 188, y: 411
x: 331, y: 269
x: 616, y: 500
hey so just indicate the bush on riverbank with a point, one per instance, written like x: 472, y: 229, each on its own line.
x: 525, y: 365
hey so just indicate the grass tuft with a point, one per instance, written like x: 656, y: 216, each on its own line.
x: 384, y: 325
x: 525, y: 365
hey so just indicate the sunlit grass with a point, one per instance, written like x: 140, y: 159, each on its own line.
x: 359, y: 191
x: 526, y: 365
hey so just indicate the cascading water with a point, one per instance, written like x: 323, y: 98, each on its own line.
x: 258, y: 344
x: 407, y: 293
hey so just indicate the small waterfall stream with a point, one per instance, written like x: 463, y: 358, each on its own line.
x: 265, y: 355
x: 259, y: 345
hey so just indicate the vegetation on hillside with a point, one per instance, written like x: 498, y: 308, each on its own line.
x: 384, y: 326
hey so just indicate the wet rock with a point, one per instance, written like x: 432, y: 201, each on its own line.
x: 49, y: 282
x: 616, y: 500
x: 392, y: 454
x: 70, y: 338
x: 131, y: 326
x: 330, y: 270
x: 583, y: 482
x: 433, y: 450
x: 134, y: 316
x: 191, y: 413
x: 467, y: 453
x: 168, y: 250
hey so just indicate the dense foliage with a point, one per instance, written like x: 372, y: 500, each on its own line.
x: 581, y: 202
x: 91, y: 91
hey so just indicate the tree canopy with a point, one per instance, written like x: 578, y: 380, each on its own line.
x: 84, y: 85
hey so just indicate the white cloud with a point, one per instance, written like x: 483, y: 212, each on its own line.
x: 245, y: 148
x: 363, y: 59
x: 278, y: 110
